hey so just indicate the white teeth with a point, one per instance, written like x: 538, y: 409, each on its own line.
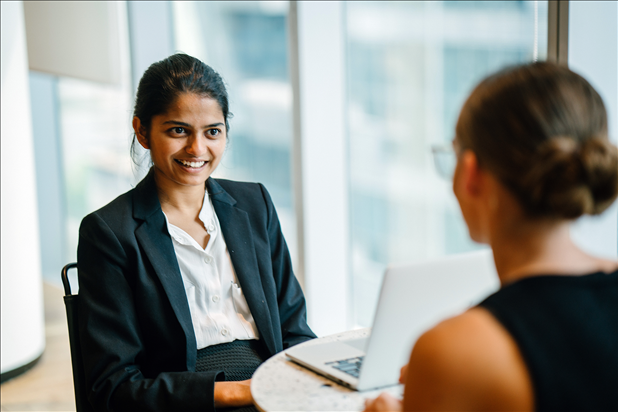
x: 192, y: 164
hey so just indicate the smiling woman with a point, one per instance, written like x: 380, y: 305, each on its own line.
x: 186, y: 281
x: 187, y: 142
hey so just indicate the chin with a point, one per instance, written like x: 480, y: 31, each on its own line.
x: 478, y: 237
x: 194, y: 182
x: 474, y: 226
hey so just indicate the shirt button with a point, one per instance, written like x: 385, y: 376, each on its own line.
x: 215, y: 298
x: 211, y: 228
x: 224, y: 332
x: 207, y: 259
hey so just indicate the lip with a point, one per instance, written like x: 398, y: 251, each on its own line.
x: 192, y: 169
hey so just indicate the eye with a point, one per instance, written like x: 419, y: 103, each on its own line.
x: 213, y: 132
x: 178, y: 130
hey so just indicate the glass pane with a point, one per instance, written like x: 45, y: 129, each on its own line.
x: 247, y: 43
x: 95, y: 124
x: 410, y: 65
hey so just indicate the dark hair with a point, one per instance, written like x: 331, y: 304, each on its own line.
x: 542, y: 130
x: 165, y: 80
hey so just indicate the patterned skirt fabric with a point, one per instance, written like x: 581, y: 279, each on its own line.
x: 238, y: 359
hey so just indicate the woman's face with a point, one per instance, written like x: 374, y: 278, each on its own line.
x: 187, y: 142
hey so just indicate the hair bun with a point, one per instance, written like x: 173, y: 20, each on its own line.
x: 567, y: 178
x: 599, y: 158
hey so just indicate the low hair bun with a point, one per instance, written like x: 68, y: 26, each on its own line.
x: 599, y: 158
x: 567, y: 179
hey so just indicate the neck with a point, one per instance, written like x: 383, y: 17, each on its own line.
x: 184, y: 199
x: 537, y: 247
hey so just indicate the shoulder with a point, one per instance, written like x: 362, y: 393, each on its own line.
x: 238, y: 187
x: 117, y: 214
x: 246, y: 193
x: 235, y: 187
x: 467, y: 362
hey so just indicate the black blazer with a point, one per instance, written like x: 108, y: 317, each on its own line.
x: 138, y: 342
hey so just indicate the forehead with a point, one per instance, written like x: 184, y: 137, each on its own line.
x: 191, y: 105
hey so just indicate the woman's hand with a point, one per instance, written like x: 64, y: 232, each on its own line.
x: 233, y: 394
x: 384, y: 403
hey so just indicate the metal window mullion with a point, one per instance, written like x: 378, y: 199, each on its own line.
x: 297, y: 182
x: 558, y: 31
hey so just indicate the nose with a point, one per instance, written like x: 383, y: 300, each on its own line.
x: 197, y: 146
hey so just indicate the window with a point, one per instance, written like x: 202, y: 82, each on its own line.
x: 95, y: 128
x: 410, y: 65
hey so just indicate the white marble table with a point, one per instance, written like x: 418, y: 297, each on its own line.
x: 281, y: 385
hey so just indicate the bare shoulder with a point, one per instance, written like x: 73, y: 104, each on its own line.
x: 469, y: 362
x: 608, y: 266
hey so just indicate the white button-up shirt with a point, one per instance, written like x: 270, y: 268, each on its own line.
x: 219, y: 310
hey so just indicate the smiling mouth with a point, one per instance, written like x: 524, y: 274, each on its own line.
x: 195, y: 165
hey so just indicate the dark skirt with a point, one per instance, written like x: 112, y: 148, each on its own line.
x: 238, y: 360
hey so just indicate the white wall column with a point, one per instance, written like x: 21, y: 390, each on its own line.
x: 320, y: 161
x: 22, y: 325
x: 593, y: 53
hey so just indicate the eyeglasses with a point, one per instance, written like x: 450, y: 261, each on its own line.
x: 445, y: 160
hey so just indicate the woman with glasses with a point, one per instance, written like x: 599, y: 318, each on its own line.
x: 186, y: 283
x: 533, y: 155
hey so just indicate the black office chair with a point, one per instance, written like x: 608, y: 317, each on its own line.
x: 79, y: 377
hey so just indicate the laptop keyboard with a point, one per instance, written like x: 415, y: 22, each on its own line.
x: 350, y: 366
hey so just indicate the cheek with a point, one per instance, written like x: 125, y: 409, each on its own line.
x: 218, y: 148
x: 467, y: 211
x: 156, y: 148
x: 472, y: 219
x: 162, y: 149
x: 457, y: 183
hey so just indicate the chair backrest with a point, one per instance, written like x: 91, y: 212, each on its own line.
x: 79, y: 377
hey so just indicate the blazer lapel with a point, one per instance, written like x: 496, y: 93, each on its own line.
x: 157, y: 245
x: 239, y: 240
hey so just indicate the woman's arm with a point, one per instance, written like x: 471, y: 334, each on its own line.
x: 469, y: 362
x: 292, y: 305
x: 112, y: 338
x: 233, y: 394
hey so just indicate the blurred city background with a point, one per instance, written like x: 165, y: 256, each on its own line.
x: 408, y: 68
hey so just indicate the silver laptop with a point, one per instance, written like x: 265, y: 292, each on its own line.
x: 412, y: 299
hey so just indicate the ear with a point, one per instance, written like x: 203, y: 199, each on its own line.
x: 471, y: 175
x: 140, y: 132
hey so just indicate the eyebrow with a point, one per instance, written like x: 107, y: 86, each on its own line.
x: 176, y: 122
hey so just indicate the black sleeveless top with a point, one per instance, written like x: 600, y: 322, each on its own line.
x: 566, y: 328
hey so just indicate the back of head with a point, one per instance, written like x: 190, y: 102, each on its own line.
x: 541, y: 129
